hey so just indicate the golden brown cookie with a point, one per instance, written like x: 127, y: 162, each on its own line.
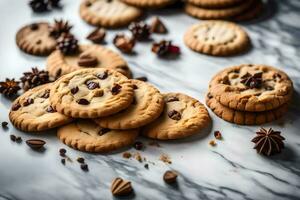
x: 218, y: 38
x: 244, y: 117
x: 86, y: 135
x: 147, y: 106
x: 183, y: 116
x: 214, y: 3
x: 222, y: 13
x: 35, y: 39
x: 32, y: 111
x: 252, y: 88
x: 254, y: 11
x: 91, y: 93
x: 149, y: 3
x: 111, y: 14
x: 88, y: 56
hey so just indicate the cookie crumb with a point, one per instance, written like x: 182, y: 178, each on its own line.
x: 138, y: 157
x: 212, y: 143
x: 165, y: 158
x: 127, y: 155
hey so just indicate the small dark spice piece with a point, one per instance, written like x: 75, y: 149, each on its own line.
x: 62, y: 152
x: 80, y: 160
x: 116, y: 89
x: 9, y: 87
x: 13, y: 138
x: 125, y: 44
x: 140, y: 30
x: 252, y: 81
x: 218, y: 135
x: 59, y: 27
x: 91, y: 85
x: 268, y: 142
x: 39, y: 6
x: 170, y: 176
x: 97, y: 36
x: 4, y: 125
x: 63, y: 161
x: 121, y: 187
x: 34, y: 78
x: 74, y: 90
x: 28, y: 102
x: 138, y: 145
x: 175, y: 115
x: 87, y: 61
x: 84, y: 167
x: 164, y: 48
x: 67, y: 44
x: 103, y: 75
x: 102, y: 131
x: 157, y: 26
x: 35, y: 144
x: 83, y: 102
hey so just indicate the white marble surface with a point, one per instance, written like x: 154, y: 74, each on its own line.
x: 231, y: 170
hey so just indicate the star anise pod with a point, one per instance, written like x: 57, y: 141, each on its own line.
x: 39, y: 6
x: 165, y: 47
x: 34, y: 78
x: 120, y: 187
x: 125, y: 44
x: 9, y: 87
x: 59, y: 27
x: 67, y: 44
x: 140, y: 30
x: 252, y: 81
x: 268, y: 142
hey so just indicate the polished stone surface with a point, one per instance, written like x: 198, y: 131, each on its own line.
x: 231, y: 170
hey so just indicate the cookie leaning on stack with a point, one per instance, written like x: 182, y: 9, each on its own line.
x: 250, y: 94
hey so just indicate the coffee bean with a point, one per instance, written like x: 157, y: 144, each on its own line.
x: 170, y: 177
x: 83, y: 102
x: 175, y: 115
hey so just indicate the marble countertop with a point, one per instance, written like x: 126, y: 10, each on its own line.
x: 231, y: 170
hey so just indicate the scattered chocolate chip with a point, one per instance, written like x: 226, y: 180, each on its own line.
x: 74, y: 90
x: 171, y: 99
x: 16, y: 107
x: 83, y: 102
x: 142, y: 78
x: 28, y: 102
x: 18, y: 139
x: 157, y: 26
x: 34, y: 26
x: 97, y: 36
x: 170, y: 176
x: 102, y: 131
x: 35, y: 143
x: 138, y: 145
x: 46, y: 94
x: 91, y: 85
x: 4, y: 125
x: 103, y: 75
x: 84, y: 167
x: 63, y: 161
x: 116, y: 89
x: 146, y: 166
x: 62, y: 152
x: 80, y: 160
x: 50, y: 109
x: 218, y: 135
x: 13, y: 138
x: 125, y: 44
x: 175, y: 115
x: 87, y: 61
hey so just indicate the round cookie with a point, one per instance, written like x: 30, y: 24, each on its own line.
x: 149, y: 3
x: 147, y: 106
x: 91, y: 93
x: 252, y: 88
x: 86, y: 135
x: 222, y: 13
x: 244, y: 117
x: 254, y: 11
x: 183, y: 116
x: 35, y: 39
x: 32, y: 111
x: 59, y: 64
x: 217, y: 38
x: 214, y: 3
x: 111, y: 14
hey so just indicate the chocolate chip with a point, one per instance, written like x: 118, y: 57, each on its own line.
x: 18, y: 139
x: 138, y: 145
x: 4, y: 124
x: 175, y: 115
x: 87, y: 61
x: 46, y: 94
x: 80, y: 160
x: 83, y: 102
x: 74, y: 90
x: 92, y: 85
x: 218, y: 135
x: 63, y: 161
x: 146, y: 166
x: 142, y: 78
x: 135, y: 87
x: 16, y: 107
x: 28, y: 102
x: 209, y: 95
x: 35, y: 143
x: 116, y: 89
x: 102, y: 131
x: 62, y: 152
x: 171, y: 99
x: 13, y: 138
x: 84, y: 167
x: 103, y: 75
x: 170, y: 177
x: 34, y: 27
x: 50, y: 109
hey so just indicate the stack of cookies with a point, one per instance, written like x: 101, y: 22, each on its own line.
x: 250, y: 94
x: 101, y: 110
x: 238, y: 10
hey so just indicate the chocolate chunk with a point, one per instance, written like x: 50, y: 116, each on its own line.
x: 35, y: 143
x: 84, y: 167
x: 138, y: 145
x: 218, y: 135
x: 83, y: 102
x: 125, y: 44
x: 103, y: 75
x: 34, y: 26
x: 175, y: 115
x: 102, y: 131
x: 63, y: 161
x: 16, y: 107
x: 171, y: 99
x: 62, y: 152
x: 28, y: 102
x: 92, y: 85
x: 50, y: 109
x: 74, y: 90
x: 97, y: 36
x: 87, y: 61
x: 116, y: 89
x: 170, y: 176
x: 135, y: 87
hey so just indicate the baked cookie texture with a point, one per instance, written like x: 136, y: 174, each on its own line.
x: 252, y: 12
x: 86, y: 135
x: 32, y: 112
x: 183, y: 116
x: 214, y: 3
x: 59, y: 64
x: 217, y: 38
x: 221, y: 13
x: 91, y: 93
x: 35, y: 39
x: 244, y: 117
x: 111, y: 14
x: 227, y: 88
x: 149, y: 3
x: 147, y: 106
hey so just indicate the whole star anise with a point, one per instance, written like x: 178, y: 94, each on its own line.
x: 140, y: 30
x: 165, y: 47
x: 9, y: 87
x: 34, y: 78
x: 268, y: 142
x: 67, y: 44
x: 252, y: 81
x: 59, y: 27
